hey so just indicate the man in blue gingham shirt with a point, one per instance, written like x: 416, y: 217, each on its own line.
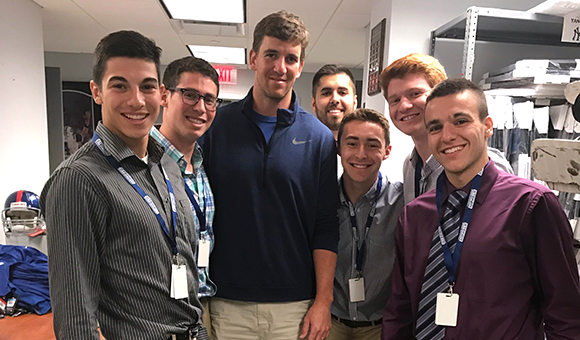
x: 190, y: 102
x: 198, y: 183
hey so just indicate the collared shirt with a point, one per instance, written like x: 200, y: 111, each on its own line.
x: 432, y: 169
x: 380, y: 252
x: 517, y: 270
x: 110, y: 261
x: 199, y: 185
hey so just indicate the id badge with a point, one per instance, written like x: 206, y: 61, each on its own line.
x: 447, y: 308
x: 179, y: 281
x: 203, y: 253
x: 357, y: 289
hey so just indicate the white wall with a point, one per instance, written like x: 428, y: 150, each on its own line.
x: 401, y: 144
x: 73, y: 66
x: 24, y: 138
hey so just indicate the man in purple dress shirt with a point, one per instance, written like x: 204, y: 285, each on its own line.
x: 516, y: 277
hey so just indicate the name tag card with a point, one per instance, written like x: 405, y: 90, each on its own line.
x: 179, y: 282
x: 203, y: 254
x: 447, y: 308
x: 357, y: 289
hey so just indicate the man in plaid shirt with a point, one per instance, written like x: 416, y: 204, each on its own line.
x: 190, y: 102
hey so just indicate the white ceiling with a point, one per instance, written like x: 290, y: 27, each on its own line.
x: 337, y: 27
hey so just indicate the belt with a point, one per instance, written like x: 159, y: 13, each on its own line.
x: 357, y: 324
x: 190, y: 334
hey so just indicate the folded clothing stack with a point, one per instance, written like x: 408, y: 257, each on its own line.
x: 23, y: 280
x: 533, y: 72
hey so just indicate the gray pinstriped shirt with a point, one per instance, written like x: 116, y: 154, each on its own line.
x: 109, y: 259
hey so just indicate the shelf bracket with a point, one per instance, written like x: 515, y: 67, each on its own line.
x: 469, y: 42
x: 432, y: 46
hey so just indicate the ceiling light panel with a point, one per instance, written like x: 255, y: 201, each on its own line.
x: 220, y: 11
x: 219, y: 54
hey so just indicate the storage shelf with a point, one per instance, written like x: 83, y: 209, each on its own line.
x: 499, y: 25
x: 544, y: 91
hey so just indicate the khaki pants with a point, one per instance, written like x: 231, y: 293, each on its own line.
x: 339, y: 331
x: 205, y: 318
x: 240, y: 320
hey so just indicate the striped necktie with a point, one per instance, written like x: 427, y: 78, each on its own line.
x: 436, y: 277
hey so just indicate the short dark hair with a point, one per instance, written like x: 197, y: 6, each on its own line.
x: 366, y: 115
x: 189, y: 64
x: 284, y: 26
x: 330, y: 70
x: 458, y: 85
x: 128, y: 44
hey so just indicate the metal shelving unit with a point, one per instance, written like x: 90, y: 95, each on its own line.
x: 498, y: 25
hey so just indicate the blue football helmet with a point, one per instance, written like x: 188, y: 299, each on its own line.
x: 21, y: 214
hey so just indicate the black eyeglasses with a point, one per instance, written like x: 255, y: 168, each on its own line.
x: 192, y: 97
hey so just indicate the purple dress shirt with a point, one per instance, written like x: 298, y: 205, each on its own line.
x: 516, y: 272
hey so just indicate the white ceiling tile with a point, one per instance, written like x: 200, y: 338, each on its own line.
x: 77, y: 26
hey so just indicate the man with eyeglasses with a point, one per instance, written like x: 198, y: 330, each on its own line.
x: 190, y: 100
x: 272, y: 168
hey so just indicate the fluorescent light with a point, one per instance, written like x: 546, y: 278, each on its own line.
x: 219, y: 55
x: 221, y: 11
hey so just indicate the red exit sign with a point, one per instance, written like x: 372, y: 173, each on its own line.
x: 227, y: 74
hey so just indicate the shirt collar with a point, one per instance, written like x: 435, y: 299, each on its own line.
x: 120, y: 151
x: 414, y: 156
x: 428, y: 167
x: 176, y: 155
x: 489, y: 177
x: 431, y: 165
x: 368, y: 196
x: 284, y: 116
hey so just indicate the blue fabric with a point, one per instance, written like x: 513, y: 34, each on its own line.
x: 265, y: 123
x: 24, y: 273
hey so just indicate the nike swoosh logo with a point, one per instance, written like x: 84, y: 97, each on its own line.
x: 298, y: 142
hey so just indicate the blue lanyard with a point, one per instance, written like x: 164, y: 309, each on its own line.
x: 418, y: 168
x: 452, y: 260
x: 113, y: 162
x: 361, y: 249
x: 200, y: 214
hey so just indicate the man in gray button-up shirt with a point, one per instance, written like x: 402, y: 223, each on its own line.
x: 362, y: 287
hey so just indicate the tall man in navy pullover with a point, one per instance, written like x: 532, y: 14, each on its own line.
x: 272, y: 167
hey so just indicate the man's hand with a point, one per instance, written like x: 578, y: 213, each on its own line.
x: 317, y: 322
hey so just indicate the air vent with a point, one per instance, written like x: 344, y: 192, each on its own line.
x: 205, y: 28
